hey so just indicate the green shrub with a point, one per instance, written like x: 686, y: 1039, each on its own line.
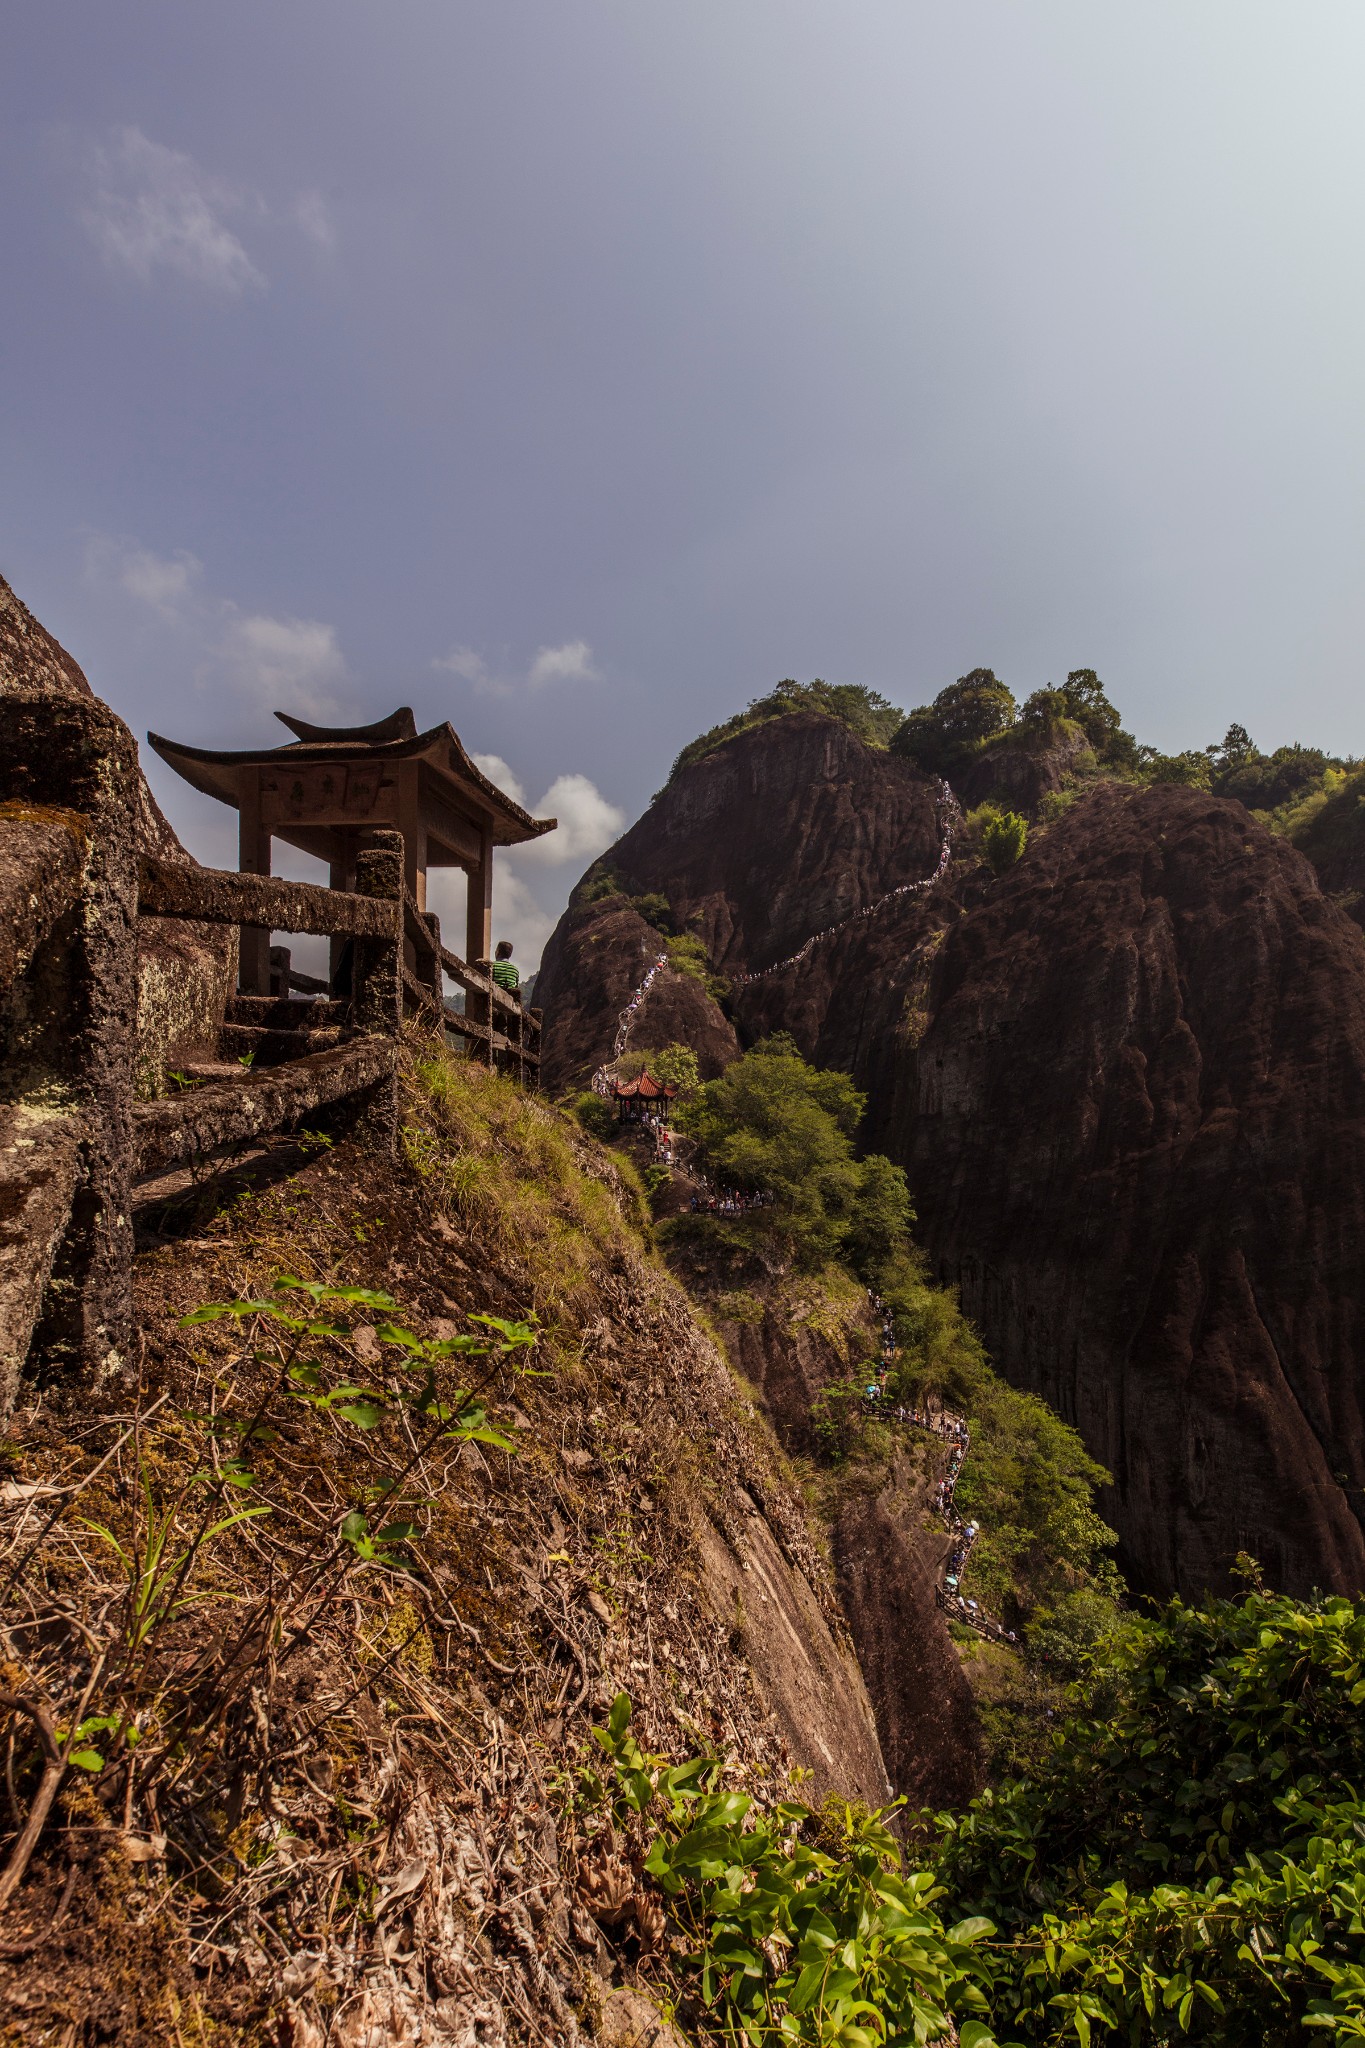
x: 595, y: 1114
x: 1003, y: 839
x: 942, y: 736
x: 772, y: 1123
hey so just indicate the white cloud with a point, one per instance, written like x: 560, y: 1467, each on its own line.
x: 287, y: 664
x: 154, y: 208
x: 165, y: 582
x: 587, y: 821
x: 570, y: 663
x: 465, y: 663
x: 518, y: 917
x: 587, y: 824
x: 283, y: 664
x: 497, y: 770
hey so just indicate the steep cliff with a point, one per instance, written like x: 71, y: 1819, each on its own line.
x: 793, y: 828
x: 1135, y: 1126
x: 1127, y: 1082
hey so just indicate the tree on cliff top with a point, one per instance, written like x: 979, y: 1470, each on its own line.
x: 866, y: 712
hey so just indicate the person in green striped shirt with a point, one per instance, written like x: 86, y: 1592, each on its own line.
x: 505, y: 972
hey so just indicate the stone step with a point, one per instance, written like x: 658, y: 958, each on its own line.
x: 270, y: 1047
x: 285, y: 1013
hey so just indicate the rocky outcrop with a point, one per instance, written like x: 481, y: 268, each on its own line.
x: 1128, y: 1082
x: 888, y: 1551
x: 1017, y: 775
x: 791, y: 829
x: 186, y: 972
x: 1135, y: 1127
x: 599, y: 955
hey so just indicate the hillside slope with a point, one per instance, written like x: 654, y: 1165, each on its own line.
x: 347, y: 1809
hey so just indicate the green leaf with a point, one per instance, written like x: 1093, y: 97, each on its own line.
x: 971, y: 1930
x: 354, y: 1527
x: 86, y: 1760
x: 364, y: 1414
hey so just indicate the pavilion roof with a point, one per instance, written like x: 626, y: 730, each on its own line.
x: 395, y: 738
x: 646, y: 1088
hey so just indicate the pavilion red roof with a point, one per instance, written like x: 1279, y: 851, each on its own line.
x: 646, y: 1088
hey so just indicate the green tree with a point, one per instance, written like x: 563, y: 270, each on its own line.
x: 940, y: 736
x: 882, y: 1216
x: 1087, y: 702
x: 774, y: 1124
x: 677, y: 1065
x: 1191, y: 769
x: 1041, y: 718
x: 1235, y: 748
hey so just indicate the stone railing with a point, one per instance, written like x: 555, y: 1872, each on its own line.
x: 74, y: 1141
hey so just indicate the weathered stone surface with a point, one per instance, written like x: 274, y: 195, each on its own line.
x: 781, y: 833
x: 42, y: 859
x: 272, y: 1100
x: 69, y: 1021
x: 1017, y: 777
x: 40, y: 1166
x: 1136, y: 1136
x: 222, y: 896
x: 789, y: 828
x: 888, y: 1554
x: 186, y: 971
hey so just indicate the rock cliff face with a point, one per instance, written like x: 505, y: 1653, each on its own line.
x: 599, y: 954
x: 1128, y: 1083
x: 186, y: 971
x: 888, y: 1552
x: 790, y: 829
x: 1135, y: 1125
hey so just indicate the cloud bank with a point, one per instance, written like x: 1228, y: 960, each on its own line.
x: 155, y: 209
x: 570, y: 662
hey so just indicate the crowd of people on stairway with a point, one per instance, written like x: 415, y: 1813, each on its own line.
x: 953, y: 1431
x: 713, y: 1201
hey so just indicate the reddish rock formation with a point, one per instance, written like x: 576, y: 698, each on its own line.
x: 788, y: 829
x: 888, y: 1553
x: 1018, y: 777
x: 186, y: 971
x: 1128, y: 1081
x: 599, y: 955
x: 1136, y: 1135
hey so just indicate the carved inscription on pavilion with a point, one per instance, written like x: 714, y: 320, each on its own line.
x: 322, y: 793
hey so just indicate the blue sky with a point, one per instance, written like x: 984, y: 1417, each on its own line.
x: 575, y: 369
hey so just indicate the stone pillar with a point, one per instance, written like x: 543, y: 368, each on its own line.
x: 377, y: 1001
x: 253, y: 973
x: 479, y: 918
x: 72, y: 1026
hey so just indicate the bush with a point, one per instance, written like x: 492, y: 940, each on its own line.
x: 595, y: 1114
x: 776, y: 1125
x: 676, y: 1065
x: 1191, y: 769
x: 1003, y: 838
